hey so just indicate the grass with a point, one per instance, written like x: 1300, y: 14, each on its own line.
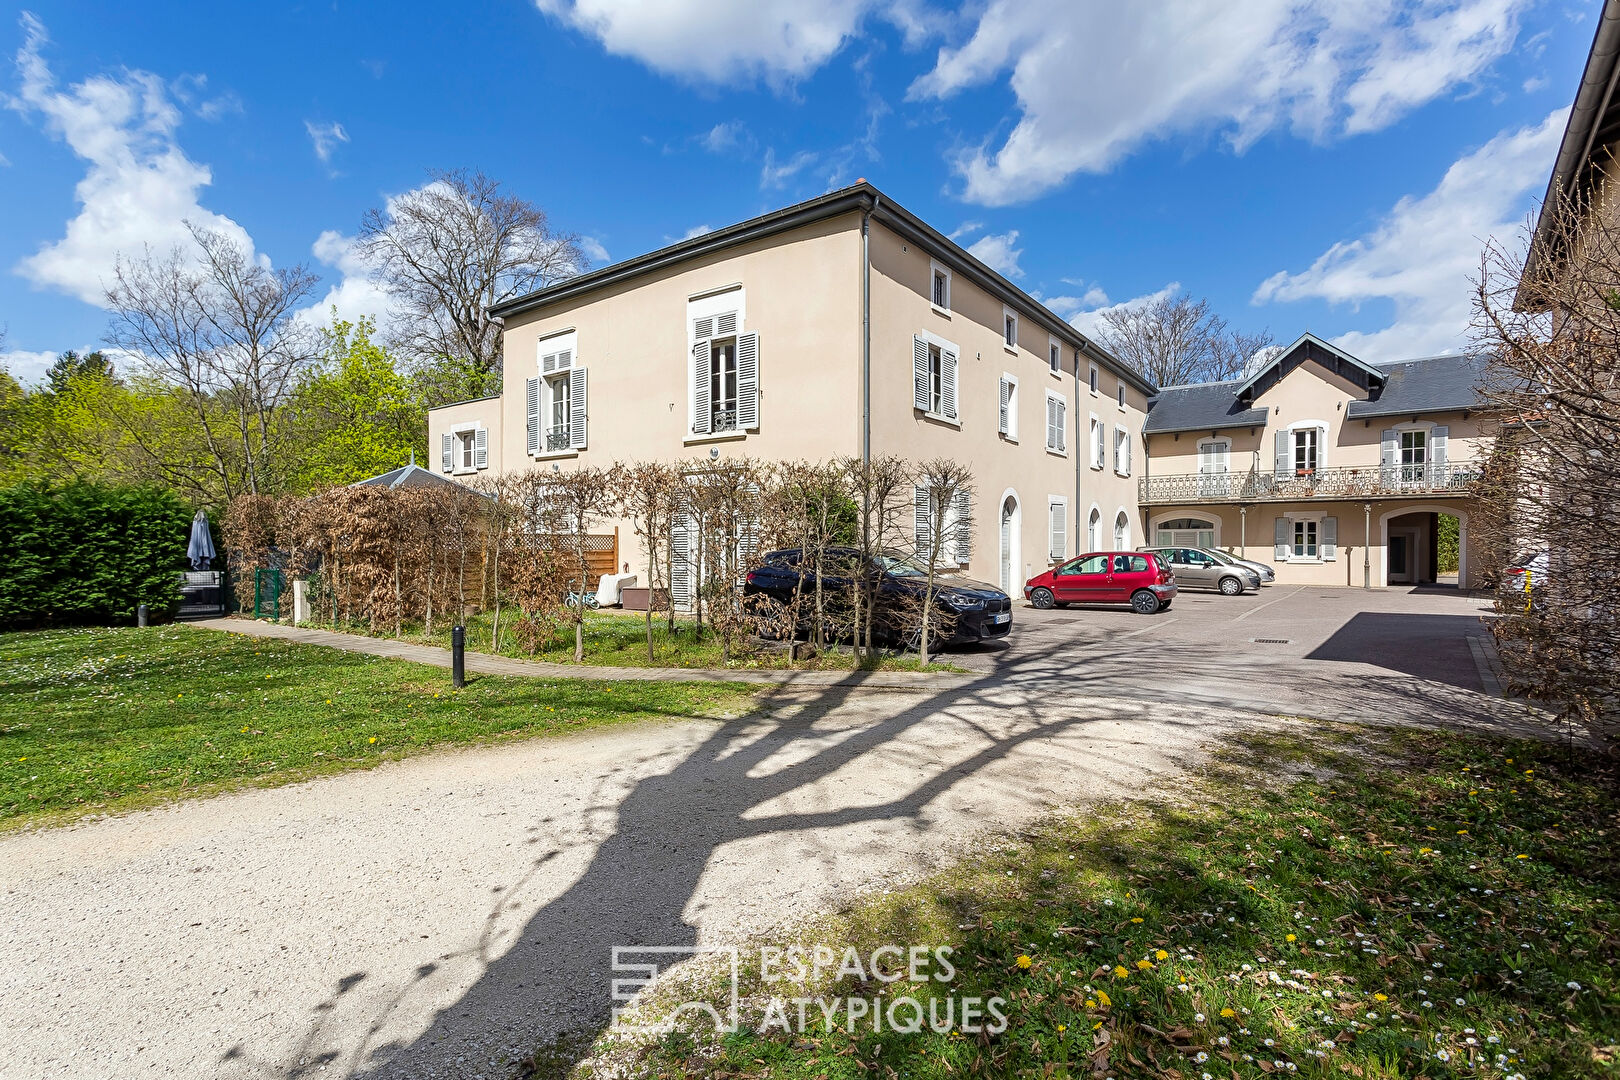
x: 1359, y: 904
x: 104, y: 720
x: 619, y: 639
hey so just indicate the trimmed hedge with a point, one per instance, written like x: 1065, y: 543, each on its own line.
x: 89, y: 553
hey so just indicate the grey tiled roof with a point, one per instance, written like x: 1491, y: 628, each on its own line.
x: 409, y: 476
x: 1200, y: 407
x: 1431, y: 384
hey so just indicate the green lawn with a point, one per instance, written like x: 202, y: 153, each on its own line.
x: 1355, y: 904
x: 94, y: 720
x: 619, y: 639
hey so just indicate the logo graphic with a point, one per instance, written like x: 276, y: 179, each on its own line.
x: 642, y: 963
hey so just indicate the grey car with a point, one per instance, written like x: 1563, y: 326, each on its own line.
x: 1196, y: 569
x: 1266, y: 573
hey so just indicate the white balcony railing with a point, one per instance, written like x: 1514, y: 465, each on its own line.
x: 1382, y: 481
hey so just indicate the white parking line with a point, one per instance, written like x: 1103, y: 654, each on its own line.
x: 1255, y: 611
x: 1158, y: 624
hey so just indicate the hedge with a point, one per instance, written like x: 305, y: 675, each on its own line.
x: 89, y: 553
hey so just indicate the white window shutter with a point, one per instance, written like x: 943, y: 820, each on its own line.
x: 1062, y: 426
x: 1281, y: 540
x: 947, y: 382
x: 1321, y: 448
x: 1438, y: 455
x: 699, y: 379
x: 449, y: 454
x: 703, y: 329
x: 1006, y: 403
x: 1285, y: 454
x: 680, y: 550
x: 922, y: 396
x: 531, y: 404
x: 1057, y: 540
x: 1126, y: 443
x: 1330, y: 539
x: 577, y: 412
x: 922, y: 530
x: 748, y: 381
x: 962, y: 531
x: 481, y: 448
x: 1390, y: 453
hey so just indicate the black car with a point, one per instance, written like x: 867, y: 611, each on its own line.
x: 972, y: 610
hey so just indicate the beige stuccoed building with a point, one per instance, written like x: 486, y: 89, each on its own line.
x: 844, y: 325
x: 1335, y: 471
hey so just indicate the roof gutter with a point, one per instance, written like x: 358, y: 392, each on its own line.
x: 1571, y: 168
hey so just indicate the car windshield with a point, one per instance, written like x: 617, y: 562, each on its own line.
x: 899, y: 566
x: 1219, y: 556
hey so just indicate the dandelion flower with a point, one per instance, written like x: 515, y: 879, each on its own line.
x: 1144, y: 964
x: 1161, y: 955
x: 1024, y: 961
x: 1102, y: 999
x: 1290, y: 937
x: 1227, y: 1012
x: 1120, y: 972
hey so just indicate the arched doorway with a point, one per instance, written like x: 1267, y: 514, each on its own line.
x: 1187, y: 531
x: 1011, y: 540
x: 1122, y: 531
x: 1410, y: 555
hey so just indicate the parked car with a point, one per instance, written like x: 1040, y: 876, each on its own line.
x: 1138, y: 578
x: 1527, y: 574
x: 1267, y: 574
x: 1198, y: 569
x: 974, y: 610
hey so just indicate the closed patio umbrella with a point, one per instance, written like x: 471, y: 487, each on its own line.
x: 201, y: 548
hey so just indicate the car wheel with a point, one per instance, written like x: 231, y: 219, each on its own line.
x: 1231, y: 586
x: 1042, y: 598
x: 1144, y: 602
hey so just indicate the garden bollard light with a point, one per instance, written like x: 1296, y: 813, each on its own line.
x: 140, y: 614
x: 458, y: 656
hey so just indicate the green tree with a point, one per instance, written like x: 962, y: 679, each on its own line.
x: 70, y: 365
x: 359, y: 414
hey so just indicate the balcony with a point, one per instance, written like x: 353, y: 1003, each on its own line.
x: 1367, y: 482
x: 558, y: 438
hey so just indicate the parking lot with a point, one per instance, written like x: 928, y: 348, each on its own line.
x: 1306, y: 650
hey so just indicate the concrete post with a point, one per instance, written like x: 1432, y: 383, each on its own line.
x: 300, y: 600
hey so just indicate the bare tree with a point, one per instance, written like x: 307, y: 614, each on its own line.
x: 946, y: 488
x: 726, y: 499
x: 649, y: 494
x: 1176, y: 340
x: 882, y: 489
x: 1552, y: 481
x: 220, y: 326
x: 448, y: 252
x: 573, y: 502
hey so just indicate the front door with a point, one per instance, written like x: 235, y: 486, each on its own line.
x: 1400, y: 558
x: 1083, y: 581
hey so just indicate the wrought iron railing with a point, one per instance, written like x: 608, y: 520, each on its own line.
x: 1448, y: 478
x: 558, y: 438
x: 724, y: 420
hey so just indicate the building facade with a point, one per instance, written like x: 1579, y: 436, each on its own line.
x: 844, y: 326
x: 1336, y: 471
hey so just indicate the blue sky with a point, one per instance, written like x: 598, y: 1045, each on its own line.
x: 1305, y: 164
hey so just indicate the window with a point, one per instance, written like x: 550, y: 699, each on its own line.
x: 1130, y: 564
x: 1054, y: 357
x: 1122, y: 532
x: 1305, y: 450
x: 934, y: 377
x: 1414, y: 456
x: 1094, y: 529
x: 1009, y: 329
x: 1008, y: 425
x: 1095, y: 564
x: 723, y: 385
x: 1185, y: 532
x: 1305, y: 546
x: 940, y: 287
x: 1057, y: 424
x: 1122, y: 450
x: 1057, y: 526
x: 1120, y: 393
x: 956, y: 541
x: 466, y: 447
x: 1096, y: 378
x: 1096, y: 443
x: 559, y: 412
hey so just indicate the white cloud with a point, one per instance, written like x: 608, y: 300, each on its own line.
x: 594, y: 251
x: 1069, y: 306
x: 355, y: 293
x: 1089, y: 320
x: 325, y: 138
x: 27, y: 367
x: 140, y: 189
x: 1096, y: 80
x: 775, y: 174
x: 967, y: 228
x: 697, y: 230
x: 726, y: 136
x: 723, y: 42
x: 1425, y: 252
x: 996, y: 251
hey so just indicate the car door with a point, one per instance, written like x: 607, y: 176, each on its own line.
x: 1201, y: 570
x: 1180, y: 560
x: 1082, y: 581
x: 1130, y: 572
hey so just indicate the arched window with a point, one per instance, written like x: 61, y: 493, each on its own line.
x: 1094, y: 530
x: 1185, y: 532
x: 1122, y: 532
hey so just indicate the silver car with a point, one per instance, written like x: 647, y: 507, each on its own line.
x: 1266, y: 573
x: 1197, y: 569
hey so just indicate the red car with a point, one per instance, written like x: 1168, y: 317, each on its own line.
x: 1138, y: 578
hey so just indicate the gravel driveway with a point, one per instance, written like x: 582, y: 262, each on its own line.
x: 440, y: 916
